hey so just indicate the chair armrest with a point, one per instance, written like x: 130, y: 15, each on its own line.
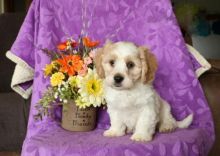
x: 211, y: 85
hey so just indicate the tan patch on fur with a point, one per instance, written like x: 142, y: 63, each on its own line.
x: 99, y: 57
x: 149, y: 65
x: 110, y: 57
x: 98, y: 62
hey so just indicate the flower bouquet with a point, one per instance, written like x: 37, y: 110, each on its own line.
x: 74, y: 84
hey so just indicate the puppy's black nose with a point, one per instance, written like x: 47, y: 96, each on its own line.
x: 118, y: 78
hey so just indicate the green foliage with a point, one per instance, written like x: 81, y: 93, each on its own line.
x: 63, y: 93
x: 45, y: 104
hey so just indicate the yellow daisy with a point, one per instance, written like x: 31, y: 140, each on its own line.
x: 91, y: 88
x: 57, y: 78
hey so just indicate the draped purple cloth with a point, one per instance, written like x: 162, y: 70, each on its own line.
x: 146, y: 22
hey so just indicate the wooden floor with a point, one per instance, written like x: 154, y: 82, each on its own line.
x: 9, y: 154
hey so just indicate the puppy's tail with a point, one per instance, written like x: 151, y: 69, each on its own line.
x: 185, y: 122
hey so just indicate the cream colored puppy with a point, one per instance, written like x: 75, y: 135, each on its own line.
x: 133, y: 104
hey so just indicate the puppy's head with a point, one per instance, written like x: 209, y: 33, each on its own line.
x: 123, y: 64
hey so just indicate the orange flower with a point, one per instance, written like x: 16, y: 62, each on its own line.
x: 64, y: 45
x: 70, y: 64
x: 88, y: 43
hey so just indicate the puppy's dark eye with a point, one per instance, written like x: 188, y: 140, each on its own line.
x: 130, y: 65
x: 112, y: 62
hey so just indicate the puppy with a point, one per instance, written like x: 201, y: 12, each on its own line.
x: 133, y: 104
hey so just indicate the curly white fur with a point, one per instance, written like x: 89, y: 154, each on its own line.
x: 133, y: 104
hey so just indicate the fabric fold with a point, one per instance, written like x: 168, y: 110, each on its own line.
x: 204, y: 64
x: 22, y: 76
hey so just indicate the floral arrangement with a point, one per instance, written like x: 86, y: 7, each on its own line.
x: 72, y: 76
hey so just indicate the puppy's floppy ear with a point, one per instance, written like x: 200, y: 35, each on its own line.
x: 98, y: 59
x: 149, y: 65
x: 98, y: 62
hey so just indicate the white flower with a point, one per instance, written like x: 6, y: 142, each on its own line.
x: 91, y: 88
x: 56, y: 95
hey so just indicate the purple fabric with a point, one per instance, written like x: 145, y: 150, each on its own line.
x: 26, y: 85
x: 145, y: 22
x: 195, y: 63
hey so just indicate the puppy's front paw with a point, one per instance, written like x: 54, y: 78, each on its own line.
x: 112, y: 133
x: 141, y: 138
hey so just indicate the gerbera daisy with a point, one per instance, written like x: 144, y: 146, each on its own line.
x: 70, y: 64
x: 91, y: 88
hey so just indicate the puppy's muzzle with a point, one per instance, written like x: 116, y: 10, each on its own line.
x: 118, y: 78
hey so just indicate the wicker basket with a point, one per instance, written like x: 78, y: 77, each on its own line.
x: 78, y: 120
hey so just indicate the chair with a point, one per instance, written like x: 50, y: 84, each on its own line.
x: 13, y: 108
x: 147, y: 22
